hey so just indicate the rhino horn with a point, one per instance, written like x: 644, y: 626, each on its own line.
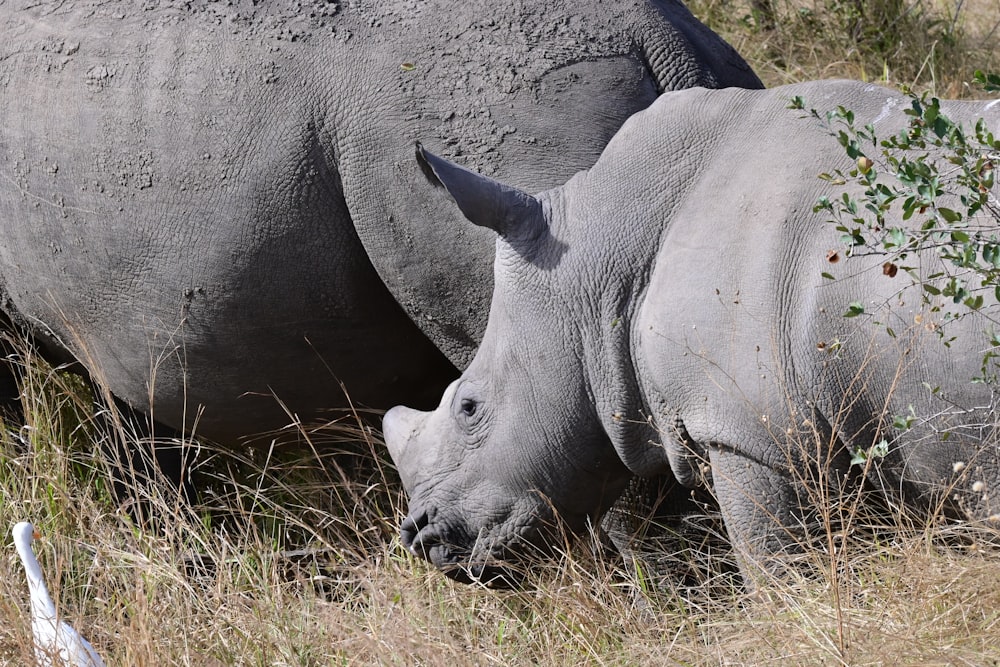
x: 510, y: 212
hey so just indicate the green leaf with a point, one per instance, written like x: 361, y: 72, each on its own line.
x: 858, y: 456
x: 949, y: 215
x: 881, y: 449
x: 901, y: 422
x: 931, y: 112
x: 877, y: 451
x: 975, y: 302
x: 895, y: 237
x: 823, y: 204
x: 854, y: 309
x: 991, y: 254
x: 942, y: 126
x: 990, y: 81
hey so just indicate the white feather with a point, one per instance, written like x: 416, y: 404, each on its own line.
x: 57, y: 644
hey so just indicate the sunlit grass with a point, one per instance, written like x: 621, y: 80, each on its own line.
x: 931, y: 45
x: 291, y: 558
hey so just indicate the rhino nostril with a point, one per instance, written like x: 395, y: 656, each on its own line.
x: 410, y: 527
x: 414, y: 522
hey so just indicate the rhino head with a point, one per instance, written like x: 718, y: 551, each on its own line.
x: 516, y: 455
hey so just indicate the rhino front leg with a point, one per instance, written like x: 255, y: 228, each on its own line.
x: 762, y: 511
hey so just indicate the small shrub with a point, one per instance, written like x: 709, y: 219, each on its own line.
x: 928, y: 188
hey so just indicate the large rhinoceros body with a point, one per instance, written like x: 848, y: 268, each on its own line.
x: 666, y: 312
x: 193, y: 194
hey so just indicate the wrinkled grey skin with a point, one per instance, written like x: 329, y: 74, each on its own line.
x: 214, y: 205
x: 665, y: 313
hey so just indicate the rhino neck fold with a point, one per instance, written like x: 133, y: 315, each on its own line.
x: 623, y: 412
x: 611, y: 374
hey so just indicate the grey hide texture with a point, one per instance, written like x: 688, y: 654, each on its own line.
x: 193, y: 194
x: 665, y: 313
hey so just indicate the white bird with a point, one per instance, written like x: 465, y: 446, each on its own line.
x: 57, y: 644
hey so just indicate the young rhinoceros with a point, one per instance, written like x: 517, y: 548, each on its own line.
x: 666, y: 311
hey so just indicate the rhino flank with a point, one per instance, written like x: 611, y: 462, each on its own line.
x: 665, y: 313
x: 211, y: 205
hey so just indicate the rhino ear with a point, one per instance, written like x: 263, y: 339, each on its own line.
x: 508, y: 211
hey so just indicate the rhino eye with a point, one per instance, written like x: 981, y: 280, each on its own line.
x: 469, y: 407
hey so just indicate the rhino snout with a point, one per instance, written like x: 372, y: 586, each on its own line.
x: 455, y: 557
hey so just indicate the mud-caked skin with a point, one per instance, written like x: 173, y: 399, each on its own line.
x: 666, y: 312
x: 214, y: 205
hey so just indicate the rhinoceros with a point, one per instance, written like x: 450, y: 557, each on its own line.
x: 213, y: 205
x: 667, y: 312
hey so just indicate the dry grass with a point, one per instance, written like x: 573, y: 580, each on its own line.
x: 924, y: 44
x: 292, y: 559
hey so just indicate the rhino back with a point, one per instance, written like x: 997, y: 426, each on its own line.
x: 740, y: 333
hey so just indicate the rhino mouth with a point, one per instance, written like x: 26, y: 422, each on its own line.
x: 486, y: 562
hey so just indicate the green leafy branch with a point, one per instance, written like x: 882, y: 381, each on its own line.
x: 926, y: 188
